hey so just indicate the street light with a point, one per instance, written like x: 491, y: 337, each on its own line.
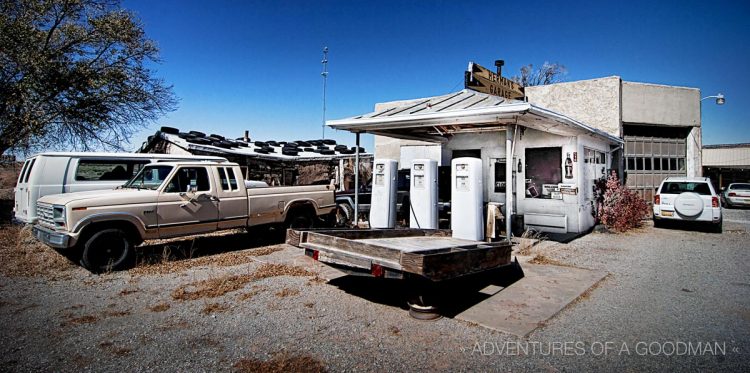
x: 719, y: 99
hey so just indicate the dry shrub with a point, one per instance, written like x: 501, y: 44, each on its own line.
x: 116, y: 313
x: 287, y: 292
x: 24, y: 256
x: 272, y: 270
x: 161, y: 307
x: 249, y: 295
x: 620, y: 209
x: 129, y: 291
x: 281, y: 364
x: 214, y: 308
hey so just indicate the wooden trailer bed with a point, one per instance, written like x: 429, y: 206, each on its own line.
x: 392, y: 253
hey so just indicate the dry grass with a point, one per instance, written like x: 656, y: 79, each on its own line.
x: 117, y: 351
x: 281, y: 364
x: 530, y: 238
x: 24, y: 256
x: 251, y: 294
x: 168, y: 264
x: 545, y: 260
x: 116, y: 313
x: 287, y: 292
x: 129, y: 291
x: 86, y: 319
x: 161, y: 307
x: 218, y: 286
x: 210, y: 308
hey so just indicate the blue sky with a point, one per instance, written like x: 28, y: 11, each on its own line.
x: 255, y: 65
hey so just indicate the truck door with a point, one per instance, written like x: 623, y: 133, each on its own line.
x: 188, y: 204
x: 232, y: 195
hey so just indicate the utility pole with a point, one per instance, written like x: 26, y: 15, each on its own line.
x: 325, y: 81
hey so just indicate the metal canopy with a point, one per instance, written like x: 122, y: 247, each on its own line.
x: 434, y: 119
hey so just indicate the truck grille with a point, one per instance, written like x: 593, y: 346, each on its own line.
x: 44, y: 214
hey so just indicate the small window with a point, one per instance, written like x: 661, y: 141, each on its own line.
x: 23, y: 170
x: 223, y: 179
x: 639, y: 164
x: 500, y: 176
x: 107, y: 170
x: 673, y: 164
x: 28, y: 171
x: 657, y: 164
x: 189, y: 178
x: 543, y: 166
x: 631, y: 163
x: 647, y: 164
x: 681, y: 164
x: 232, y: 178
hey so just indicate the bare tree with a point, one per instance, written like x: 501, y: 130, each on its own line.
x: 547, y: 74
x: 73, y: 75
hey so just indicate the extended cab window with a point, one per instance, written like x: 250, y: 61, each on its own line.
x: 100, y: 170
x: 150, y: 177
x: 189, y: 178
x: 227, y: 178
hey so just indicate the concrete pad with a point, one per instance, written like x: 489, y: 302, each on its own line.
x: 528, y: 303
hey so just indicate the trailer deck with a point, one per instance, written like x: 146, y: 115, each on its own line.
x: 396, y: 253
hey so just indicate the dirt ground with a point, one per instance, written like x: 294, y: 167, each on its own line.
x: 244, y: 302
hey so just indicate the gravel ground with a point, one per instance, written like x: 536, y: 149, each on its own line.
x: 667, y: 287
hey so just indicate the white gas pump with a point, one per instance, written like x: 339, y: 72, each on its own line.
x: 383, y: 203
x: 467, y: 198
x: 423, y: 194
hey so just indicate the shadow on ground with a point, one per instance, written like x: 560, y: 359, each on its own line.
x: 202, y: 246
x: 451, y: 297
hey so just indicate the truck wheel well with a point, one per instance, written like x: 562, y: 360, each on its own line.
x: 301, y: 207
x: 130, y: 230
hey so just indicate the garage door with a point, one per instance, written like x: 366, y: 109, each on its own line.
x: 648, y: 160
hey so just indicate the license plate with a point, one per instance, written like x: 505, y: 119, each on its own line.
x: 667, y: 213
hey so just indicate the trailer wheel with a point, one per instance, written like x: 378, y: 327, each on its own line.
x: 421, y: 309
x: 108, y: 250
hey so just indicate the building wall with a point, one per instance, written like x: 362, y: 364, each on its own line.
x: 661, y: 105
x: 595, y: 102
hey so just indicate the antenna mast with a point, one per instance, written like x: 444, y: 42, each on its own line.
x: 325, y: 81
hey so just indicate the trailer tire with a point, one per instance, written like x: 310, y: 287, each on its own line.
x: 108, y: 250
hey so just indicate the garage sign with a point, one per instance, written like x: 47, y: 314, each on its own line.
x: 481, y: 79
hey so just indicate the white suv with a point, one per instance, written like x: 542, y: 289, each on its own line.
x: 687, y: 199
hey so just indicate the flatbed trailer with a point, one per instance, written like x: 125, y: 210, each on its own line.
x: 425, y: 258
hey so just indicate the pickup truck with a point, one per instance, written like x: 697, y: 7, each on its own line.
x: 171, y: 199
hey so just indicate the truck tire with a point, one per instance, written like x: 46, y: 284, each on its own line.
x: 299, y: 219
x: 170, y: 130
x: 344, y: 215
x: 108, y: 250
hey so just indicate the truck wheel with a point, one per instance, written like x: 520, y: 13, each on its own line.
x: 108, y: 250
x: 299, y: 219
x: 344, y: 215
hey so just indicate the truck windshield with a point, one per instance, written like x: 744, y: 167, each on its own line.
x: 150, y: 177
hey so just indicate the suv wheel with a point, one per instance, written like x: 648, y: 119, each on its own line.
x: 108, y: 250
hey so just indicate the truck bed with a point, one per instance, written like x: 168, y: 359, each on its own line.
x: 432, y: 254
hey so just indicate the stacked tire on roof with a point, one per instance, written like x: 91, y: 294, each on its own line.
x: 322, y: 146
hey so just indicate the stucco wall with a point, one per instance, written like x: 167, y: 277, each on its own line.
x: 660, y: 104
x: 595, y: 102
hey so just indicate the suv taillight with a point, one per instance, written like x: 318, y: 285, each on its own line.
x: 657, y: 199
x: 715, y: 201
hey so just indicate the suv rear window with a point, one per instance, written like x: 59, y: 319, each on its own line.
x: 677, y: 187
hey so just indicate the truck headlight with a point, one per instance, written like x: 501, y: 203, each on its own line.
x: 58, y: 216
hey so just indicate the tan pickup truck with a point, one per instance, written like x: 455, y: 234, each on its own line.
x: 171, y: 199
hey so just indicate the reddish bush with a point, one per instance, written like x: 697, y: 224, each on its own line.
x: 620, y: 209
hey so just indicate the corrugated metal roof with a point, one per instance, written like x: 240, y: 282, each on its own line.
x: 729, y: 155
x: 456, y: 101
x: 479, y: 111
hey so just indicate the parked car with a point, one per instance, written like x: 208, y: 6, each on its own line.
x: 687, y: 199
x: 171, y: 199
x: 736, y: 194
x: 66, y: 172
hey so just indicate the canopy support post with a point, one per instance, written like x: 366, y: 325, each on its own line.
x: 356, y: 183
x: 508, y: 178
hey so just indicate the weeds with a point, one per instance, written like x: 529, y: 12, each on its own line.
x: 281, y: 364
x: 287, y: 292
x: 24, y: 256
x: 161, y: 307
x: 210, y: 308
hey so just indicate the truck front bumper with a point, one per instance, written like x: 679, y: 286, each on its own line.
x: 51, y: 238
